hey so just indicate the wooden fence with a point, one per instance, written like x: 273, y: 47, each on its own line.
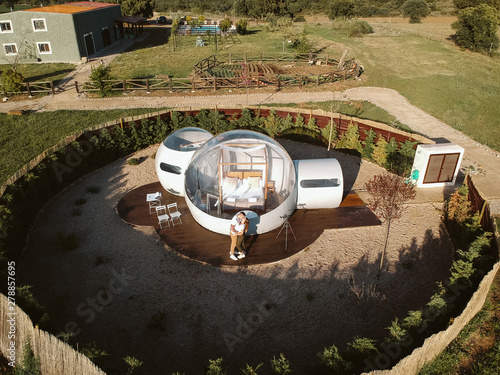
x: 435, y: 344
x: 33, y: 88
x: 208, y: 63
x: 56, y: 357
x: 212, y: 83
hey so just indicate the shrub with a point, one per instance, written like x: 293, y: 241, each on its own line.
x: 30, y: 364
x: 416, y: 10
x: 358, y: 28
x: 280, y: 365
x: 397, y: 333
x: 132, y: 363
x: 341, y: 9
x: 331, y: 359
x: 299, y: 19
x: 362, y: 346
x: 379, y: 154
x: 215, y: 367
x: 241, y: 26
x: 225, y: 25
x: 413, y: 320
x: 133, y: 161
x: 476, y: 29
x: 249, y: 370
x: 350, y: 139
x: 12, y: 81
x: 98, y: 75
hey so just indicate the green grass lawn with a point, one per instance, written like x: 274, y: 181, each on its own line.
x: 24, y: 137
x: 162, y: 59
x: 458, y: 87
x: 42, y: 72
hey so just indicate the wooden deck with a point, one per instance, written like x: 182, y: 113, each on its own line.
x: 195, y: 242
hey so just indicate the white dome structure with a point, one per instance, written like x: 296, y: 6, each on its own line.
x: 174, y: 155
x: 240, y: 170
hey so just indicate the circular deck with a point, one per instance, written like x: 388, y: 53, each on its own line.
x: 192, y: 241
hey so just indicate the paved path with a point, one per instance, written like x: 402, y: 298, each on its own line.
x: 476, y: 155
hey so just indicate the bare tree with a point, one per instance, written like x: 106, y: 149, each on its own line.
x: 25, y: 50
x: 389, y: 194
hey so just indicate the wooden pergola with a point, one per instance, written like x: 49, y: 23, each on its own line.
x: 129, y: 27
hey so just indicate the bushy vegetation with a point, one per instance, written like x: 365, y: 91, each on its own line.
x: 477, y: 28
x: 12, y: 81
x: 99, y: 75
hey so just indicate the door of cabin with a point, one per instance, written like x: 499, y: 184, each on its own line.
x: 441, y: 168
x: 89, y: 44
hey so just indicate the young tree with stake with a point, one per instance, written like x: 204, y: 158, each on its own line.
x: 389, y: 194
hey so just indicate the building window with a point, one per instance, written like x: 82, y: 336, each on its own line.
x: 10, y: 49
x: 6, y: 27
x: 44, y: 48
x: 39, y: 24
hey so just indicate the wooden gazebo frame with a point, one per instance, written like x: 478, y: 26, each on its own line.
x: 242, y: 174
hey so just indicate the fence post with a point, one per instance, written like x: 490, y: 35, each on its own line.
x: 28, y: 88
x: 76, y: 87
x: 327, y: 59
x: 215, y: 83
x: 261, y: 57
x: 52, y: 87
x: 230, y: 58
x: 276, y: 56
x: 317, y: 81
x: 245, y: 58
x: 279, y: 83
x: 293, y: 58
x: 124, y: 83
x: 258, y: 82
x: 193, y: 85
x: 147, y: 85
x: 300, y: 81
x: 237, y: 83
x: 170, y: 83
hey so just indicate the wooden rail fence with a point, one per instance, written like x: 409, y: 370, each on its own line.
x: 33, y: 88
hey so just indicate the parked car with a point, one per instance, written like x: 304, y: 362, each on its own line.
x: 162, y: 19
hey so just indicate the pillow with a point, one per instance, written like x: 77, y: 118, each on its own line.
x: 254, y: 182
x: 230, y: 184
x: 245, y: 183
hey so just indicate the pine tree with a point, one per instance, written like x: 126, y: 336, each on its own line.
x: 380, y: 151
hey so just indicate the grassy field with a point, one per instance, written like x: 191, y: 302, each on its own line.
x: 24, y: 137
x: 458, y: 87
x: 42, y: 72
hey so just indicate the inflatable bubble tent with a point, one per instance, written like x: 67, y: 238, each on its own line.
x: 174, y: 155
x: 241, y: 170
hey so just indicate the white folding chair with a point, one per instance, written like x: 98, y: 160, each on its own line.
x: 163, y: 217
x: 154, y: 200
x: 174, y: 213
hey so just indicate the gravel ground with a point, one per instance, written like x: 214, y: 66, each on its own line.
x: 132, y: 295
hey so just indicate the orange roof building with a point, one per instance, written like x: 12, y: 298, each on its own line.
x: 59, y: 33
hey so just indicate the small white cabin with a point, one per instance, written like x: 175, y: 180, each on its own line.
x: 436, y: 164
